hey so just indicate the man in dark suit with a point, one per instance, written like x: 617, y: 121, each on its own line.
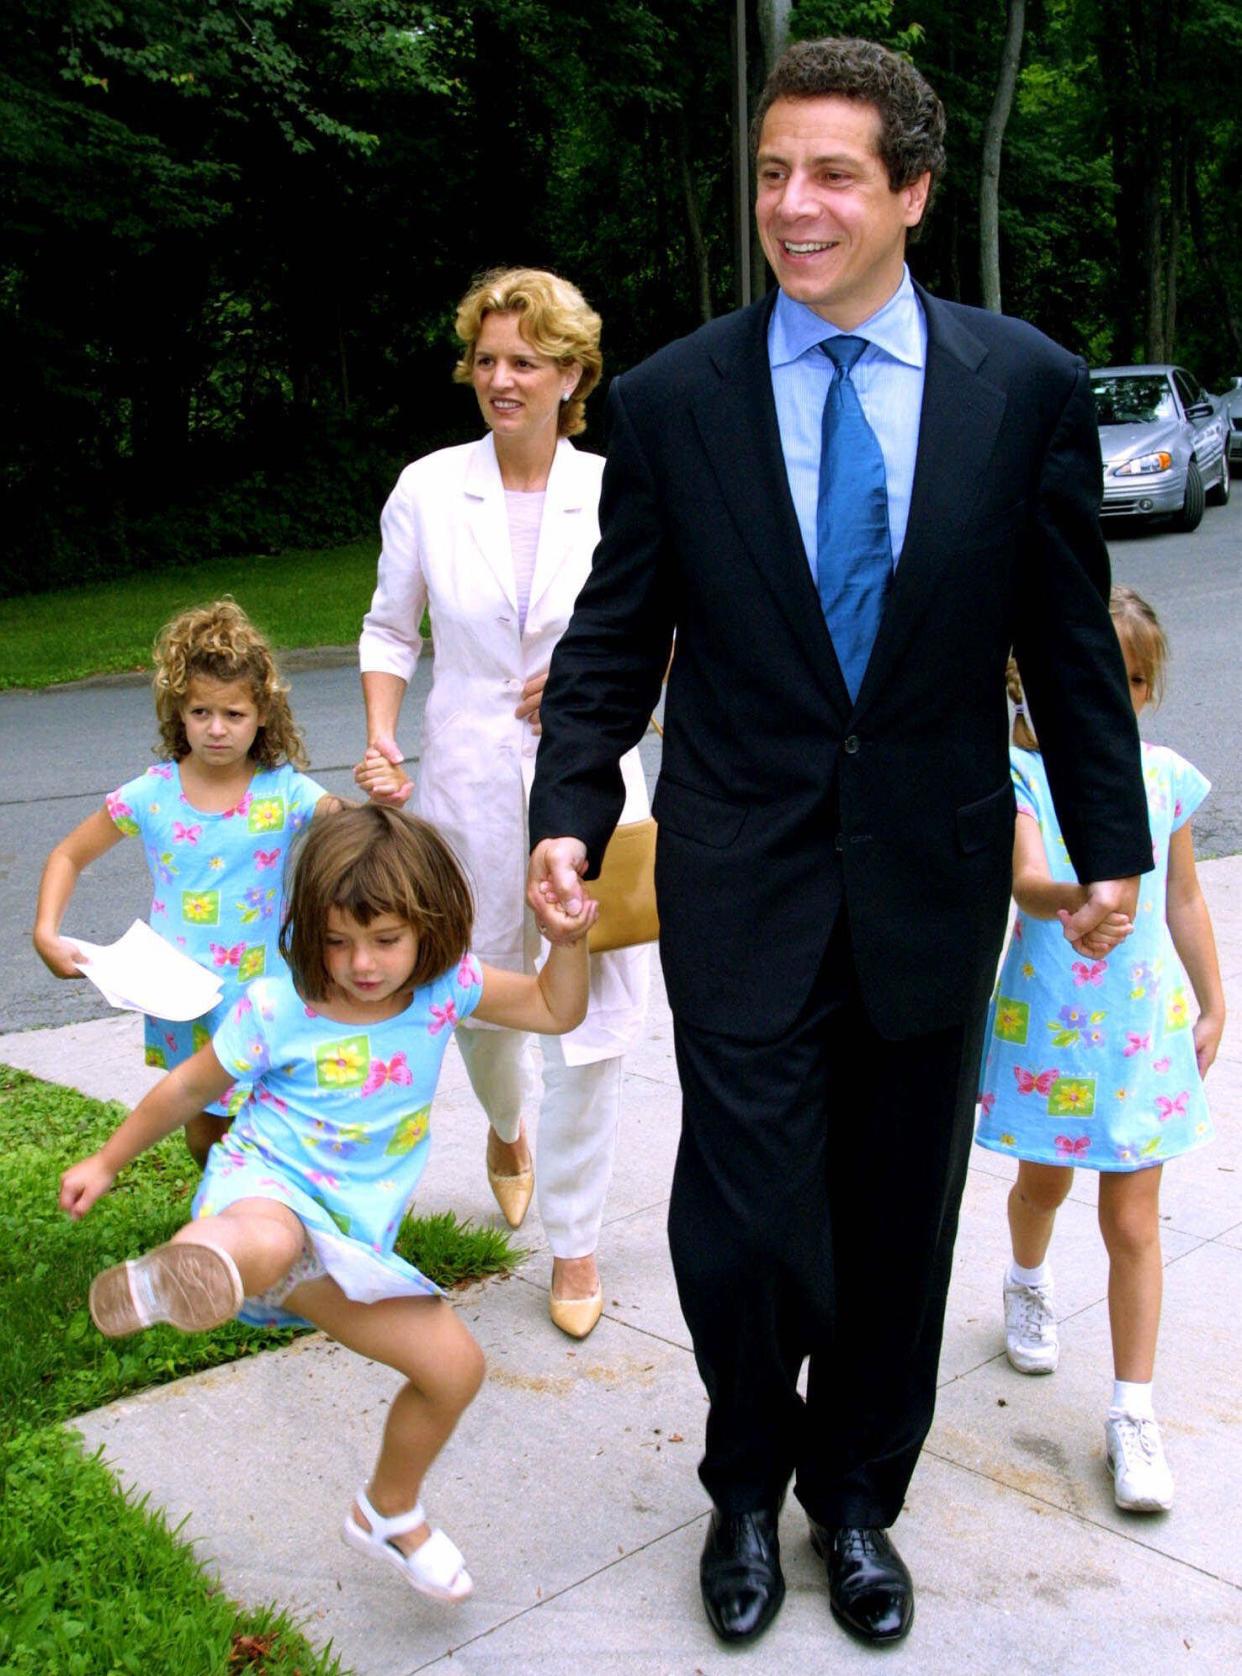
x: 847, y: 503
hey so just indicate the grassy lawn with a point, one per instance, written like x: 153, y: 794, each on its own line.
x: 310, y: 598
x: 90, y: 1582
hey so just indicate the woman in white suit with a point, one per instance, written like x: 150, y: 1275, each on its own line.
x: 497, y: 536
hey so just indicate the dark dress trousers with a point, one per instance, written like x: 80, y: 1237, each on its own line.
x: 833, y: 878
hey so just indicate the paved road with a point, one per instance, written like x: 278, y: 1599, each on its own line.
x: 61, y: 750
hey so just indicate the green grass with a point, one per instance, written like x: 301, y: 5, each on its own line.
x: 91, y: 1583
x: 301, y: 598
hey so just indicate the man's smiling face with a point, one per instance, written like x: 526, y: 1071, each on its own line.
x: 830, y: 224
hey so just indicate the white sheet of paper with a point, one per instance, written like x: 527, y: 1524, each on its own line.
x: 143, y: 974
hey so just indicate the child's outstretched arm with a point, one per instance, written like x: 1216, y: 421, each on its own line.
x: 554, y: 999
x: 86, y: 843
x: 1040, y: 896
x: 178, y: 1097
x: 1190, y: 926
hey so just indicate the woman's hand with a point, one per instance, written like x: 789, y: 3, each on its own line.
x: 532, y: 698
x: 58, y: 954
x: 379, y: 773
x: 82, y: 1184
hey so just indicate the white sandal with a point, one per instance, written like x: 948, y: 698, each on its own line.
x: 435, y: 1568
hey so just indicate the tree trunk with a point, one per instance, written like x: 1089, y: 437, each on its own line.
x: 993, y: 139
x: 1226, y: 314
x: 1173, y: 238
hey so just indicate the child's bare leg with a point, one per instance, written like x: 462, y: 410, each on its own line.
x: 423, y: 1339
x: 202, y: 1132
x: 263, y: 1237
x: 1034, y: 1200
x: 1130, y: 1224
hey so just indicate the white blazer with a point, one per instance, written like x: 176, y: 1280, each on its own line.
x: 446, y: 544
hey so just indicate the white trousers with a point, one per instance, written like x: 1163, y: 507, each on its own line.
x: 577, y: 1126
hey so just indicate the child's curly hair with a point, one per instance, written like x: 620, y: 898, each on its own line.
x: 220, y: 642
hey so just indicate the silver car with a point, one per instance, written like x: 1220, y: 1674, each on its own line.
x: 1163, y: 442
x: 1230, y: 405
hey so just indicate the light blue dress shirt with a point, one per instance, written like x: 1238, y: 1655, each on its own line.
x: 889, y: 382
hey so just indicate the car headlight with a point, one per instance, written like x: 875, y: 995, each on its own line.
x: 1143, y: 464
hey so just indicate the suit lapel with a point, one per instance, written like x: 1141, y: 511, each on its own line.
x: 736, y: 417
x: 958, y: 427
x: 486, y: 516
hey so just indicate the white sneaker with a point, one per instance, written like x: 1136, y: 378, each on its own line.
x: 1142, y: 1482
x: 1030, y: 1326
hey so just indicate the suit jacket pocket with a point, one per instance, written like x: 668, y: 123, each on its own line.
x: 987, y: 821
x: 695, y: 814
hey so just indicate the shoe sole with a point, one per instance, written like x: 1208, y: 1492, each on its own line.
x: 1021, y: 1366
x: 190, y: 1287
x: 1147, y: 1504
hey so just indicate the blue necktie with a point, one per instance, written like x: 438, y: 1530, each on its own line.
x: 854, y: 553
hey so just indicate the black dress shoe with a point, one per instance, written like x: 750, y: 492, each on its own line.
x: 740, y: 1573
x: 869, y: 1586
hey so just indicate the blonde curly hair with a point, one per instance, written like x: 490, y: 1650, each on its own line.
x: 219, y: 642
x: 556, y: 320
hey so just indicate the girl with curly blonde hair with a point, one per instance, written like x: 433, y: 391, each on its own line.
x: 215, y: 815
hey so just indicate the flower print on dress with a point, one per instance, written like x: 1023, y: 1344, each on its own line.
x: 1072, y: 1097
x: 267, y: 814
x: 161, y: 864
x: 1136, y: 1042
x: 201, y: 907
x: 343, y: 1064
x: 122, y: 815
x: 1071, y: 1025
x: 468, y: 973
x: 1012, y: 1020
x: 986, y: 1102
x: 409, y: 1131
x: 258, y: 903
x: 155, y: 1057
x: 1177, y: 1012
x: 1144, y: 979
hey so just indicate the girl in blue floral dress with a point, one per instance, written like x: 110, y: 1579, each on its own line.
x: 1098, y: 1061
x: 300, y: 1204
x: 215, y: 816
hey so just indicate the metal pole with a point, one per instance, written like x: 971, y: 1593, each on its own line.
x: 741, y: 157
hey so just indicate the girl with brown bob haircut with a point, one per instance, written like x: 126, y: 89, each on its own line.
x: 368, y: 862
x: 297, y: 1215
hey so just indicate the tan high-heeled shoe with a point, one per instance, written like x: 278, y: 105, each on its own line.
x: 512, y: 1192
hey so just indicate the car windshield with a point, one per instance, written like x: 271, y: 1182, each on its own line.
x: 1133, y: 399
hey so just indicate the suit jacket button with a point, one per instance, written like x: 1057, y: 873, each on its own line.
x: 851, y: 745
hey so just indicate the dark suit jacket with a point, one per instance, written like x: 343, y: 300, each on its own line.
x: 779, y: 801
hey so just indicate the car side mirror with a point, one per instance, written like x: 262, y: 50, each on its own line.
x: 1199, y: 410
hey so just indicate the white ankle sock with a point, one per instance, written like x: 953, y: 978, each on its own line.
x: 1030, y: 1277
x: 1134, y: 1399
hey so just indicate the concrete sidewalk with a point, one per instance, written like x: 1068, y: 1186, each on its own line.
x: 571, y: 1485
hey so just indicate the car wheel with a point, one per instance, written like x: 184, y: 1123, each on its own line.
x: 1218, y: 494
x: 1191, y: 514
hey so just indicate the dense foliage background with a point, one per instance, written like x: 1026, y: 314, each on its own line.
x: 234, y: 230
